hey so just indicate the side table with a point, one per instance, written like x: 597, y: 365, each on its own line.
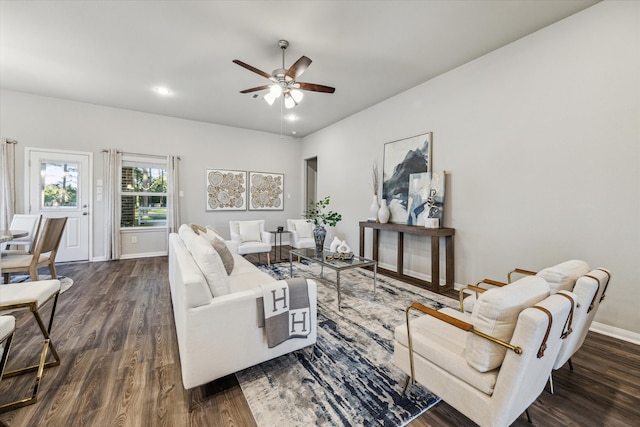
x: 277, y: 233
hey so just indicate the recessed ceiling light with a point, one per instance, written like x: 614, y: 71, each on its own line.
x: 161, y: 90
x: 293, y: 132
x: 291, y: 117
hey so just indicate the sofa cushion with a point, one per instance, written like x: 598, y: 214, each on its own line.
x: 187, y: 235
x: 562, y: 277
x: 249, y: 231
x: 496, y: 313
x: 211, y: 266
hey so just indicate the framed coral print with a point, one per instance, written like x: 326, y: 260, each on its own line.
x: 403, y: 158
x: 226, y: 190
x: 266, y: 191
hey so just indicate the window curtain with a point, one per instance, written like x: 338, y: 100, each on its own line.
x: 112, y: 166
x: 7, y: 182
x: 173, y: 194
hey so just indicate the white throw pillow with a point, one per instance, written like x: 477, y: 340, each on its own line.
x: 211, y: 265
x: 496, y: 313
x: 562, y: 277
x: 304, y: 229
x: 187, y: 235
x: 249, y: 231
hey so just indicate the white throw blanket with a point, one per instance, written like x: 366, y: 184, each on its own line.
x: 284, y: 310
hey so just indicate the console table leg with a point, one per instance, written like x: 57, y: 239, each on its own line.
x: 435, y: 264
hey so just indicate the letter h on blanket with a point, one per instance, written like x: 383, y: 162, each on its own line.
x: 284, y: 310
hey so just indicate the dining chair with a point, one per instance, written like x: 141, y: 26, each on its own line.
x: 31, y: 296
x: 44, y: 253
x: 28, y: 223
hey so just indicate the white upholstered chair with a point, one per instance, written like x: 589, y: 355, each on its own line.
x: 589, y: 290
x: 560, y: 277
x: 492, y: 364
x: 301, y: 233
x: 29, y: 223
x: 251, y: 237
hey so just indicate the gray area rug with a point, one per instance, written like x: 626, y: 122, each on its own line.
x: 65, y: 282
x: 351, y: 380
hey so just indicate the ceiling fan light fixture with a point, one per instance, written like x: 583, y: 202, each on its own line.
x: 289, y: 102
x: 275, y: 90
x: 296, y: 95
x: 270, y: 98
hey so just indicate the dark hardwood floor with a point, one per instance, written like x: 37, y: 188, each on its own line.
x: 115, y: 333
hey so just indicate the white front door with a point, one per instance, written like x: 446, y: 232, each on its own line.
x: 59, y: 185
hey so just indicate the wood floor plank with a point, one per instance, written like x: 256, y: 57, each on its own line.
x: 115, y: 332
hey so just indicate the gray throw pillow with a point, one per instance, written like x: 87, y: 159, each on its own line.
x: 225, y: 254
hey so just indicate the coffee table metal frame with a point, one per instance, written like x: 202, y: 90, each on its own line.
x: 336, y: 264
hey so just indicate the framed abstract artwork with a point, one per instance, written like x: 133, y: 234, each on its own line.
x: 403, y: 158
x: 266, y: 191
x: 226, y: 190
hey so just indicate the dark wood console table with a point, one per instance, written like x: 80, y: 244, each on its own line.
x: 435, y: 234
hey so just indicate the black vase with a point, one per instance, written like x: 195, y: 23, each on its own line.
x: 319, y: 233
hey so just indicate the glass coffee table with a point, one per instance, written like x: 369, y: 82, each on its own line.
x: 327, y: 259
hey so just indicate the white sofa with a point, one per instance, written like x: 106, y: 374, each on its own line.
x: 218, y: 333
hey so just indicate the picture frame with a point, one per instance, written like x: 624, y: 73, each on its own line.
x: 402, y: 158
x: 266, y: 191
x: 226, y: 190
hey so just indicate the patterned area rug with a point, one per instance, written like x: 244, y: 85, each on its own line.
x: 65, y: 282
x: 351, y: 379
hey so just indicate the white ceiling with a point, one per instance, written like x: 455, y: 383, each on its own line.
x: 114, y: 53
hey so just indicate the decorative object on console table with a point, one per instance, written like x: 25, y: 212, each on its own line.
x: 401, y: 159
x: 375, y: 184
x: 426, y: 198
x: 319, y: 218
x: 226, y: 190
x: 266, y: 191
x: 435, y: 201
x: 383, y: 212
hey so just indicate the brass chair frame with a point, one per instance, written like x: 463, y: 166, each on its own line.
x: 33, y: 398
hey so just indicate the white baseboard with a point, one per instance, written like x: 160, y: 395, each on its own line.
x: 99, y: 259
x: 143, y: 255
x: 612, y: 331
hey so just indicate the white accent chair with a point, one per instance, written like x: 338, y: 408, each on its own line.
x: 490, y: 365
x: 29, y: 223
x: 560, y: 277
x: 589, y: 290
x: 301, y: 233
x: 251, y: 238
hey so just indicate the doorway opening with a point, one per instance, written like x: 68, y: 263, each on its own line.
x: 311, y: 180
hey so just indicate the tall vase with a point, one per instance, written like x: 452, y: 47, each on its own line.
x: 373, y: 209
x: 319, y: 233
x: 383, y: 212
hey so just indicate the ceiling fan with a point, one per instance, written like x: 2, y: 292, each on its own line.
x: 284, y: 81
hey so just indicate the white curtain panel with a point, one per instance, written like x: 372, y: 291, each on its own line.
x: 173, y: 194
x: 7, y: 182
x: 112, y: 166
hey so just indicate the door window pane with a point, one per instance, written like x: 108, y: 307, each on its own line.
x: 59, y: 184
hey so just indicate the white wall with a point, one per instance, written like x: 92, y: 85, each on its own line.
x: 42, y: 122
x: 541, y: 141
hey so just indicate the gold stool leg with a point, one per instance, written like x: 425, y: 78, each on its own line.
x: 34, y: 395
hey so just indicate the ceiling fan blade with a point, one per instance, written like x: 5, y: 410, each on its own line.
x: 298, y: 68
x: 316, y: 88
x: 255, y: 89
x: 250, y: 68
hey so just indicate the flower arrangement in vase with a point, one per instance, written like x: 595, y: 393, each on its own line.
x: 316, y: 214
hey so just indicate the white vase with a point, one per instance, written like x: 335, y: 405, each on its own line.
x: 373, y: 209
x: 383, y: 212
